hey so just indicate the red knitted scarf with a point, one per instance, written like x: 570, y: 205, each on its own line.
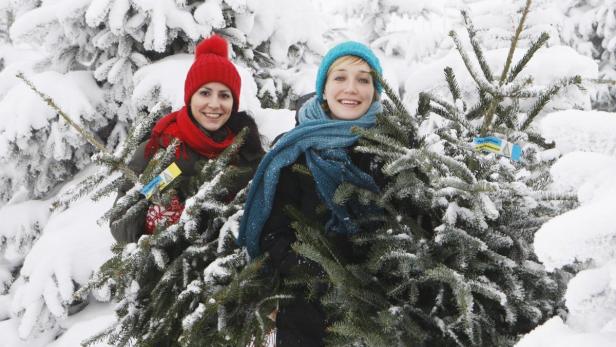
x: 179, y: 125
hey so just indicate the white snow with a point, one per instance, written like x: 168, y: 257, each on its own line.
x: 78, y: 96
x: 90, y: 321
x: 555, y: 332
x: 70, y: 247
x: 594, y: 131
x: 585, y: 234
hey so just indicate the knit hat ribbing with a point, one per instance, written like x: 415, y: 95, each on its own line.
x: 212, y: 65
x: 346, y: 48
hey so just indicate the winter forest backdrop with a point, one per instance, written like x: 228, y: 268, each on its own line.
x: 106, y: 62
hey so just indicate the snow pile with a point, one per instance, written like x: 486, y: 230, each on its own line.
x: 585, y: 234
x: 282, y: 24
x: 16, y: 59
x: 162, y: 81
x: 594, y: 131
x: 555, y: 332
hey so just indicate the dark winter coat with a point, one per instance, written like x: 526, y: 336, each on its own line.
x: 302, y: 323
x: 249, y: 155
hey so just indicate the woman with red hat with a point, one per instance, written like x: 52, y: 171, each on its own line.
x: 205, y: 126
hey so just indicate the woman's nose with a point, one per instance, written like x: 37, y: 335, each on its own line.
x: 214, y: 102
x: 350, y: 86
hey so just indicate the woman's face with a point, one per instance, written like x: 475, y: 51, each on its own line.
x: 211, y: 105
x: 349, y: 90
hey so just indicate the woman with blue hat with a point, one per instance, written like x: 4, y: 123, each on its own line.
x: 347, y: 96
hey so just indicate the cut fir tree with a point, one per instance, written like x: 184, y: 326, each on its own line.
x: 452, y: 264
x: 188, y: 284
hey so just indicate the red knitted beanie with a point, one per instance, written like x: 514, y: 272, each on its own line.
x: 212, y: 65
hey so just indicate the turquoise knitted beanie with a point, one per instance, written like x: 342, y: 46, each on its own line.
x: 346, y: 48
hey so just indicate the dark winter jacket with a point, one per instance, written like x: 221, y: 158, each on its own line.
x: 129, y: 230
x: 302, y: 323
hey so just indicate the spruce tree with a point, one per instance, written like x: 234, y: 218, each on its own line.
x: 452, y: 263
x: 188, y: 283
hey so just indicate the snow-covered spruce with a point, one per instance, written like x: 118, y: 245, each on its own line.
x: 172, y: 286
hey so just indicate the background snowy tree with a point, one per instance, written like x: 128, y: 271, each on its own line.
x: 5, y: 22
x: 402, y: 33
x: 591, y: 29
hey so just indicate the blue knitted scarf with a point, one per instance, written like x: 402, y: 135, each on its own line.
x: 323, y: 141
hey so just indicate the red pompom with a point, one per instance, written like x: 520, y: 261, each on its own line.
x: 213, y: 45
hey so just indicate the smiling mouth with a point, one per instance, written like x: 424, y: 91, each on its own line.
x: 347, y: 102
x: 211, y: 115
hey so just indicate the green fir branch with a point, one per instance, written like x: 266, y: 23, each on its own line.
x: 462, y: 293
x: 456, y: 167
x: 108, y: 188
x: 539, y: 140
x: 82, y: 189
x: 534, y: 47
x: 448, y: 111
x: 480, y: 80
x: 480, y: 108
x: 395, y: 128
x: 546, y: 96
x: 390, y: 143
x: 472, y: 33
x: 142, y: 128
x: 393, y: 96
x: 454, y: 88
x: 489, y: 116
x: 600, y: 81
x: 514, y: 42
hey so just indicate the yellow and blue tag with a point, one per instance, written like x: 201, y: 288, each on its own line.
x: 499, y: 146
x: 159, y: 182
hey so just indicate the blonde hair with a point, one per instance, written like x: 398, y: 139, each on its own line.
x: 346, y: 60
